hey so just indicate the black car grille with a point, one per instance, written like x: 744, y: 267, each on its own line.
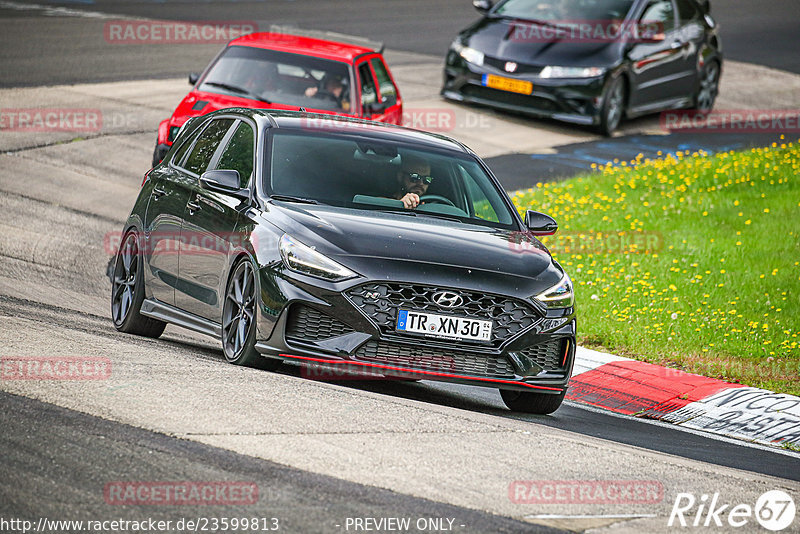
x: 437, y: 360
x: 381, y: 302
x: 522, y: 68
x: 506, y: 97
x: 546, y: 355
x: 309, y: 324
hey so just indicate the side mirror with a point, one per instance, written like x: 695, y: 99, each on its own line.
x: 539, y: 223
x: 483, y: 6
x: 376, y: 107
x: 193, y: 77
x: 223, y: 181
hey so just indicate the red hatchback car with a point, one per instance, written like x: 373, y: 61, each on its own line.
x: 286, y: 71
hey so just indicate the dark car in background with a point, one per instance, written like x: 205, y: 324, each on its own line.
x: 279, y: 70
x: 591, y: 62
x: 280, y: 234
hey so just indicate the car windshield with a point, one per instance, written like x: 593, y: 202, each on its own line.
x: 281, y: 78
x: 368, y: 174
x: 564, y: 10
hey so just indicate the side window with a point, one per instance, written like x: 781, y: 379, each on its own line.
x: 206, y: 145
x: 179, y: 155
x: 660, y: 12
x: 369, y: 93
x: 481, y: 206
x: 238, y: 155
x: 385, y: 85
x: 686, y: 10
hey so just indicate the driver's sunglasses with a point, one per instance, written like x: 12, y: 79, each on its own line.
x: 416, y: 177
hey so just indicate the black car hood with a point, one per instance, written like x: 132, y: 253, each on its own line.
x: 387, y: 246
x: 501, y: 38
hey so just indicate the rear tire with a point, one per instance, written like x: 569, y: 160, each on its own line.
x: 127, y: 291
x: 708, y: 88
x: 528, y: 402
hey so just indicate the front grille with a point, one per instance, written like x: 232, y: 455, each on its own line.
x: 546, y: 355
x: 381, y: 302
x: 507, y: 97
x: 522, y: 68
x: 449, y: 361
x: 309, y: 324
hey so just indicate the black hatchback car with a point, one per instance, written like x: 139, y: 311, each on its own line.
x: 285, y: 236
x: 590, y: 62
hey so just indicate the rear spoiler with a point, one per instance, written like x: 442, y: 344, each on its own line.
x: 329, y: 36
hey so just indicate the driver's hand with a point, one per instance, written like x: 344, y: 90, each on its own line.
x: 410, y: 200
x: 311, y: 91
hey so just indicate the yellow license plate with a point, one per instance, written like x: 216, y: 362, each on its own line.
x: 507, y: 84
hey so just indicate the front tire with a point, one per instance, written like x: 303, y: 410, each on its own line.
x: 239, y: 319
x: 528, y: 402
x: 613, y: 107
x: 127, y: 291
x: 708, y: 88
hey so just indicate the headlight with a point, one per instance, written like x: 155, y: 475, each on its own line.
x: 304, y: 259
x: 571, y: 72
x: 558, y: 296
x: 469, y: 54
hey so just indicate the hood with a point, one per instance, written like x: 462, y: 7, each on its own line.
x: 524, y: 42
x: 198, y: 103
x: 404, y: 247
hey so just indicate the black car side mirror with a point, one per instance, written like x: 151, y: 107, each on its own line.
x: 193, y: 77
x: 539, y: 223
x: 223, y: 181
x: 482, y: 5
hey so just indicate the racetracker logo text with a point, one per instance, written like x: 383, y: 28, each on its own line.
x: 180, y: 493
x: 168, y: 32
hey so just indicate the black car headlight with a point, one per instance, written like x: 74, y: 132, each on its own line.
x: 469, y: 54
x: 571, y: 72
x: 305, y: 260
x: 560, y: 295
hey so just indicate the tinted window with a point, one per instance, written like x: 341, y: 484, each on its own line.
x: 368, y: 174
x: 660, y: 12
x: 385, y: 85
x: 279, y: 77
x: 238, y: 155
x: 686, y: 10
x: 203, y: 150
x: 179, y: 155
x: 369, y: 94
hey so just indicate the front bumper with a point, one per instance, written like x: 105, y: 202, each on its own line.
x: 574, y: 100
x: 338, y: 330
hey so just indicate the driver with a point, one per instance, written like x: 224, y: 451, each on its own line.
x: 332, y: 87
x: 413, y: 180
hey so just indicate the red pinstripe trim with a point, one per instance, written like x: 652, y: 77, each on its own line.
x: 432, y: 373
x: 566, y: 351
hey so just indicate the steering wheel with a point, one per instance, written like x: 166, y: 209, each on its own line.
x: 436, y: 199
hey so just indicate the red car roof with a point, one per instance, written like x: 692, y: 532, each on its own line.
x: 307, y: 46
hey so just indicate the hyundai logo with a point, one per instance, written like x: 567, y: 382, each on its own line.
x: 511, y: 66
x: 448, y: 299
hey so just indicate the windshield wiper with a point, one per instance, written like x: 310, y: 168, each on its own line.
x: 240, y: 90
x: 290, y: 198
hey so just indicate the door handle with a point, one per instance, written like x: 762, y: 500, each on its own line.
x: 193, y: 207
x: 158, y: 193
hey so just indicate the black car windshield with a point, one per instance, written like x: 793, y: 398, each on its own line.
x: 281, y: 78
x: 556, y: 11
x: 365, y: 173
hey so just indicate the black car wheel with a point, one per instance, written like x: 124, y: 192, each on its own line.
x: 127, y: 291
x: 537, y: 403
x: 708, y: 89
x: 613, y: 106
x: 238, y: 319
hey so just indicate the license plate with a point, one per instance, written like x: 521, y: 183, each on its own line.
x: 507, y: 84
x: 445, y: 326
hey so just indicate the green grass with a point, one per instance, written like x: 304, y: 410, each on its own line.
x: 691, y: 262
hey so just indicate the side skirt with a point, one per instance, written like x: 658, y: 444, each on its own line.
x: 170, y: 314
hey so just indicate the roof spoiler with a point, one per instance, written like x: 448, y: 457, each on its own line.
x: 328, y: 36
